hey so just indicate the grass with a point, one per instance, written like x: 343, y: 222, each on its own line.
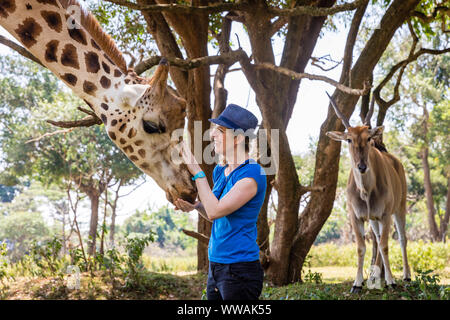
x: 156, y: 286
x: 176, y: 278
x: 335, y: 285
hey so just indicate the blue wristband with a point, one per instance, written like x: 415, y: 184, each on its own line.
x: 200, y: 174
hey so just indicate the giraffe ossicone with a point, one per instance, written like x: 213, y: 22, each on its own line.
x: 139, y: 114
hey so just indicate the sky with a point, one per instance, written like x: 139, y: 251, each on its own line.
x: 309, y: 112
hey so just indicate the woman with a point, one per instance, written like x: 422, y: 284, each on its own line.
x: 233, y: 205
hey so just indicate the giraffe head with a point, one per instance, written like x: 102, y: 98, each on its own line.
x: 141, y: 124
x: 139, y: 114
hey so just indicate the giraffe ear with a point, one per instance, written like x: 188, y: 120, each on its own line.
x: 132, y: 93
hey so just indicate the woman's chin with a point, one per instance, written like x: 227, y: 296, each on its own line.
x: 217, y: 150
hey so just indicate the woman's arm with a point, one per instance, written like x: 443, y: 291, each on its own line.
x: 201, y: 210
x: 185, y: 206
x: 240, y: 193
x: 244, y: 190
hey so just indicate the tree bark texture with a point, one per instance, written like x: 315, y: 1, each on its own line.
x: 193, y: 85
x: 328, y: 151
x: 431, y: 214
x: 276, y: 95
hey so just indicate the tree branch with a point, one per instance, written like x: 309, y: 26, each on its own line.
x: 385, y: 105
x: 220, y: 93
x: 240, y: 55
x: 316, y: 11
x: 19, y: 49
x: 183, y: 9
x: 427, y: 19
x: 298, y: 76
x: 227, y: 58
x: 49, y: 134
x: 239, y: 6
x: 350, y: 43
x: 85, y: 122
x: 304, y: 189
x: 200, y: 237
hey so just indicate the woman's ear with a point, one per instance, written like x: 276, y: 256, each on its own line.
x: 239, y: 139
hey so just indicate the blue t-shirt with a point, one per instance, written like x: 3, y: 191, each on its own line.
x: 233, y: 237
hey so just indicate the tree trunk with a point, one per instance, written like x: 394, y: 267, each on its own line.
x: 276, y: 109
x: 94, y: 197
x: 328, y: 151
x: 431, y: 216
x: 112, y: 229
x: 194, y: 86
x: 445, y: 221
x: 102, y: 240
x: 63, y: 231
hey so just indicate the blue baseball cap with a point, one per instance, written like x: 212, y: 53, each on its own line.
x: 236, y: 117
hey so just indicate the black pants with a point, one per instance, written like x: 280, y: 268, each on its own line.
x: 236, y: 281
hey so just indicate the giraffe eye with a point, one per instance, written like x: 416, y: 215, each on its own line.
x: 349, y: 141
x: 151, y: 127
x: 368, y: 139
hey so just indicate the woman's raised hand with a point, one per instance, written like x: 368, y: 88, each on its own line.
x: 190, y: 160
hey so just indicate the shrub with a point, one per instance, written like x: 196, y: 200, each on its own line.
x: 46, y: 257
x: 135, y: 246
x: 3, y: 261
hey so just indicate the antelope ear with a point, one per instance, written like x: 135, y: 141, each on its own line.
x: 337, y: 135
x: 376, y: 132
x: 132, y: 93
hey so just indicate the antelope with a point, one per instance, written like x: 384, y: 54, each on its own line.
x: 376, y: 191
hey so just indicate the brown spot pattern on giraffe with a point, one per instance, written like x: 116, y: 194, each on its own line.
x: 78, y: 35
x: 134, y: 158
x: 53, y: 20
x: 95, y: 45
x: 69, y: 56
x: 104, y: 119
x: 114, y: 122
x: 106, y: 67
x: 92, y: 64
x: 141, y: 153
x: 6, y: 7
x: 132, y: 133
x: 122, y: 127
x: 105, y: 82
x: 128, y: 149
x: 51, y: 2
x: 89, y: 87
x: 50, y: 51
x: 104, y: 106
x: 112, y: 135
x: 28, y: 31
x: 69, y: 78
x: 122, y: 141
x: 139, y: 143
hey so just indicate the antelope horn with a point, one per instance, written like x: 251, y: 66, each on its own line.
x: 339, y: 113
x: 369, y: 112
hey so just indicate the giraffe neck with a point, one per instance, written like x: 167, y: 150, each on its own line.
x: 58, y: 34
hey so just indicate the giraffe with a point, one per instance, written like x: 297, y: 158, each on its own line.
x: 139, y: 114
